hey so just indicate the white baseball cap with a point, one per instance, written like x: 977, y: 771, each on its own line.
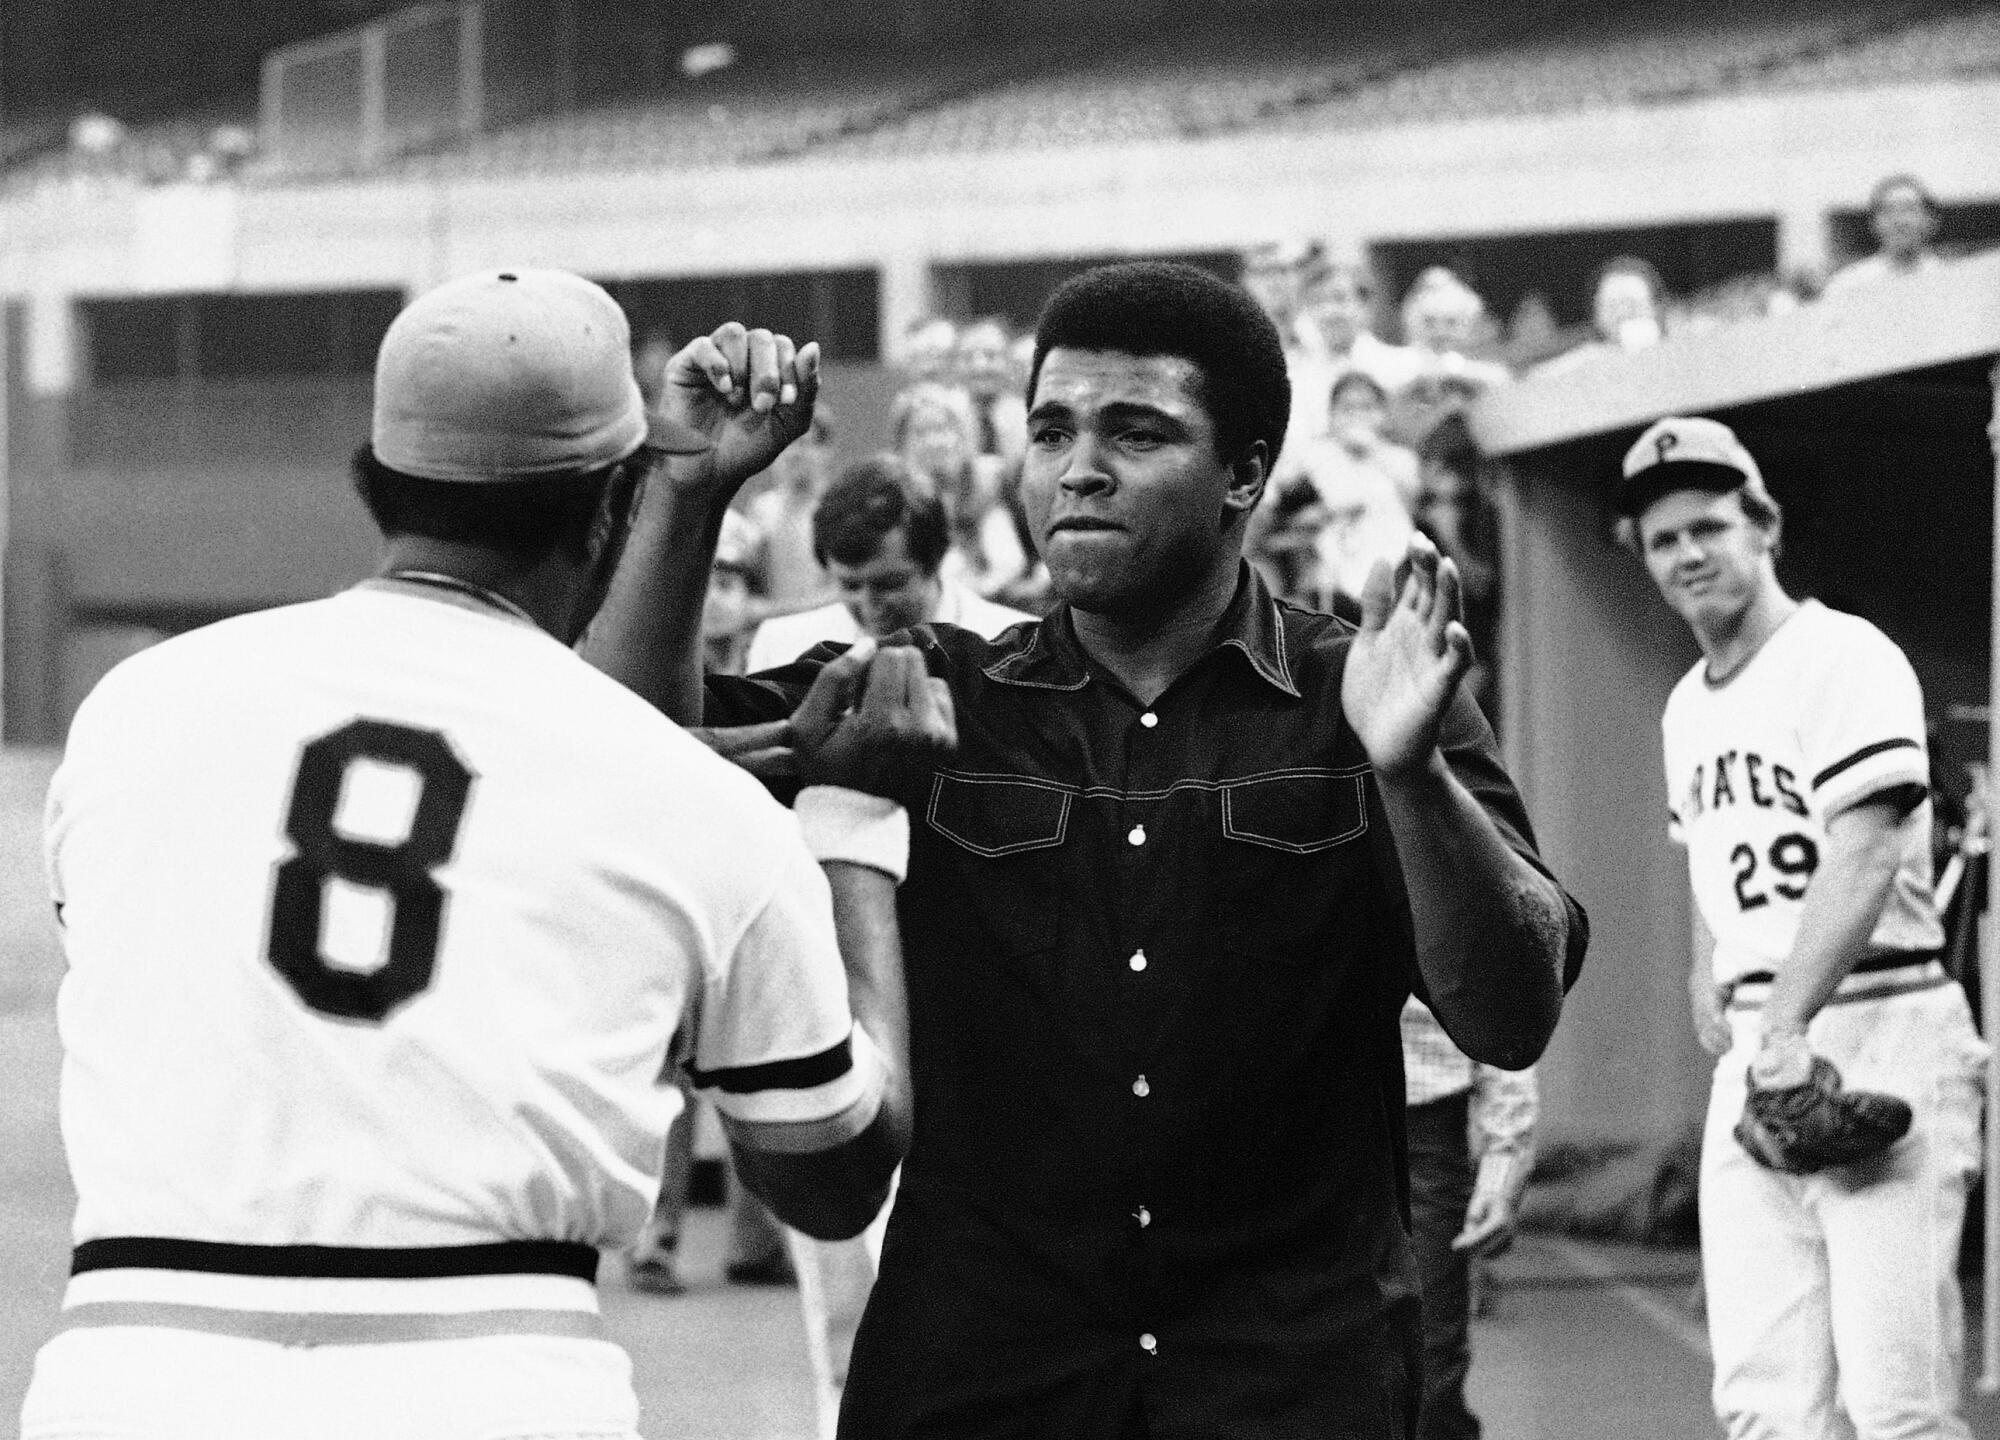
x: 513, y: 375
x: 1683, y: 452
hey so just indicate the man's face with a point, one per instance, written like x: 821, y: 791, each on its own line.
x: 929, y: 351
x: 1902, y: 221
x: 1355, y: 414
x: 935, y: 442
x: 1709, y: 560
x: 983, y: 361
x: 1275, y: 288
x: 1340, y: 308
x: 1623, y: 310
x: 1441, y: 321
x: 888, y: 591
x: 1126, y: 495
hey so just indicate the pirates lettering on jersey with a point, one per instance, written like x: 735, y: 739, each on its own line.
x: 1759, y: 782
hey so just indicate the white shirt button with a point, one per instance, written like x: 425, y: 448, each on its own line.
x: 1138, y: 960
x: 1138, y: 835
x: 1149, y: 1344
x: 1149, y: 719
x: 1141, y: 1088
x: 1144, y: 1217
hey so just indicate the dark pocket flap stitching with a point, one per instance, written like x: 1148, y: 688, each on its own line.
x: 1297, y: 811
x: 994, y: 815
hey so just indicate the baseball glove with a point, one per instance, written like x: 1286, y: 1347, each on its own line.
x: 1804, y: 1128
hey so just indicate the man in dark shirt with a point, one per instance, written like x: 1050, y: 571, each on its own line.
x: 1162, y: 911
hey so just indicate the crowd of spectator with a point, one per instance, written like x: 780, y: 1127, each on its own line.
x: 931, y: 528
x: 1377, y: 447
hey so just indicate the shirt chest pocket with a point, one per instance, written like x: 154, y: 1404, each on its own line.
x: 1294, y: 880
x: 1297, y: 812
x: 1006, y: 837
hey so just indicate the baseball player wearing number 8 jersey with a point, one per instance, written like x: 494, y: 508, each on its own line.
x: 381, y: 914
x: 1843, y: 1122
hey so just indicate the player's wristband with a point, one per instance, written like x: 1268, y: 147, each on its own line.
x: 854, y: 826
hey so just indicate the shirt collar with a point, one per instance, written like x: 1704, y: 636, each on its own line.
x: 1049, y: 657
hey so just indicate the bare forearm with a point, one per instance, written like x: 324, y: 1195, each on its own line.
x: 1490, y: 928
x: 864, y: 919
x: 1842, y: 905
x: 647, y: 636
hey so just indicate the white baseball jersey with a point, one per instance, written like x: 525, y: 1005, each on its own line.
x: 380, y: 913
x: 1827, y: 714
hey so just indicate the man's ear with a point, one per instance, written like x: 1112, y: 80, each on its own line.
x: 1248, y: 474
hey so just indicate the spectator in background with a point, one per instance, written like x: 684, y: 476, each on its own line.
x: 1336, y: 335
x: 726, y: 616
x: 882, y: 532
x: 1445, y: 322
x: 1274, y: 273
x: 1442, y: 321
x: 780, y: 517
x: 986, y: 370
x: 1360, y: 487
x: 1905, y: 220
x: 935, y: 433
x: 1456, y: 512
x: 1627, y: 312
x: 1457, y: 1214
x: 929, y: 352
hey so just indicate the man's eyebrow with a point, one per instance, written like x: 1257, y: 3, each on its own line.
x: 1048, y: 409
x: 1139, y: 410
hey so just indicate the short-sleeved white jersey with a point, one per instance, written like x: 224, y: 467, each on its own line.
x: 1825, y: 715
x: 380, y: 913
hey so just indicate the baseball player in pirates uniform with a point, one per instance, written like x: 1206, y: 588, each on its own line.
x: 382, y: 912
x: 1843, y: 1124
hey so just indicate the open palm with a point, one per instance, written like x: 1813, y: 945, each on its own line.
x: 1408, y: 659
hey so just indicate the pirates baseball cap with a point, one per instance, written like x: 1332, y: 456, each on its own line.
x: 1684, y: 452
x: 513, y: 375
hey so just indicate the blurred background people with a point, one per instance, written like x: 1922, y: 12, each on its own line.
x: 1336, y: 335
x: 929, y: 351
x: 1904, y: 219
x: 780, y: 516
x: 1627, y: 312
x: 1273, y: 271
x: 1471, y: 1131
x: 882, y: 534
x: 1349, y: 492
x: 986, y: 370
x: 935, y: 433
x: 1455, y: 510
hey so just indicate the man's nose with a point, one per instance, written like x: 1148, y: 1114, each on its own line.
x: 1085, y: 470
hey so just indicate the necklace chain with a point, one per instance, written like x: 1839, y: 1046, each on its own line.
x: 438, y: 580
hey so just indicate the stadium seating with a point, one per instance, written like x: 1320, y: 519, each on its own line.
x: 1965, y: 41
x: 1390, y: 65
x: 1605, y: 56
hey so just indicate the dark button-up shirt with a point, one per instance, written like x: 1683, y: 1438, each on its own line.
x: 1156, y: 957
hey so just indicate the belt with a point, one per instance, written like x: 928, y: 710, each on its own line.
x: 1918, y: 970
x: 335, y: 1294
x: 337, y: 1262
x: 1868, y: 965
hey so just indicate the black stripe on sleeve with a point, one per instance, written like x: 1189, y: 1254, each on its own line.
x: 805, y: 1073
x: 337, y: 1262
x: 1858, y: 756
